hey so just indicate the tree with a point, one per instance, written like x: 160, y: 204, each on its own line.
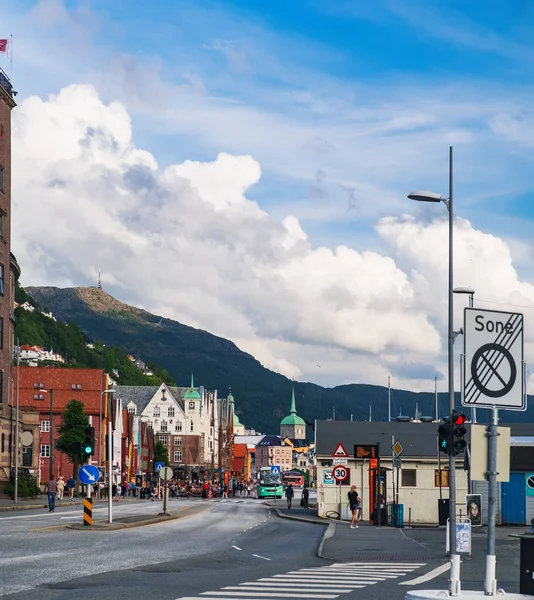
x: 161, y: 454
x: 72, y: 433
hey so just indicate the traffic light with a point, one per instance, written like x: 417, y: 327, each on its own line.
x: 88, y: 445
x: 458, y: 432
x: 445, y: 436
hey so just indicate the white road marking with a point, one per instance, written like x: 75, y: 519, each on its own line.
x: 258, y: 556
x: 254, y: 588
x: 236, y: 547
x: 428, y: 576
x: 282, y: 582
x: 269, y: 595
x: 319, y: 580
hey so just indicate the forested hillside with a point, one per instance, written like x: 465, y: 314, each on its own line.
x: 34, y: 328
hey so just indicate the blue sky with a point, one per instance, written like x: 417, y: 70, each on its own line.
x: 346, y: 107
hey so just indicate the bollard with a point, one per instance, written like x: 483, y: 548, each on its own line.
x: 409, y: 518
x: 88, y: 511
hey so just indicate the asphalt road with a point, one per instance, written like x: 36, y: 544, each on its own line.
x: 237, y: 549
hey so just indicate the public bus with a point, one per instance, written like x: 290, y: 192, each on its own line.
x: 269, y: 485
x: 295, y: 478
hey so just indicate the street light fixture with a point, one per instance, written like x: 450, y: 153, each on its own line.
x: 424, y: 196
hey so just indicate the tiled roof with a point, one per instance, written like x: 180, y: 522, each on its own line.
x: 141, y: 395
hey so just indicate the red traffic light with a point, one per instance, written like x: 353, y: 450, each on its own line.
x: 459, y: 419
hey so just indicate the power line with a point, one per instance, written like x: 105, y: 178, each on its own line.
x: 505, y: 303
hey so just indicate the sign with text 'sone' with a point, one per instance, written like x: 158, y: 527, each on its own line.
x: 493, y: 365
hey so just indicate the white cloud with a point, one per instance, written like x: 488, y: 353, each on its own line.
x: 186, y: 242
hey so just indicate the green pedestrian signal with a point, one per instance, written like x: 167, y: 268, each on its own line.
x: 445, y: 436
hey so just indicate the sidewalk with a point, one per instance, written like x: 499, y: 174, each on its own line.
x: 367, y: 543
x: 7, y: 504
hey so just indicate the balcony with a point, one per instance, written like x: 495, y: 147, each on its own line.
x: 6, y: 84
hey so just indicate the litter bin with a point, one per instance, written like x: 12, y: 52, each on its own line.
x: 443, y: 511
x: 526, y: 564
x: 397, y: 515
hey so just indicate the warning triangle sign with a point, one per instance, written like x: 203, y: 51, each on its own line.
x: 340, y: 451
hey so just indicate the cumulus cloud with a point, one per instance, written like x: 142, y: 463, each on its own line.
x: 186, y: 242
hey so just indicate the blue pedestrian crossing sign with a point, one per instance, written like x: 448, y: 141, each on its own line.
x: 275, y: 469
x: 158, y: 466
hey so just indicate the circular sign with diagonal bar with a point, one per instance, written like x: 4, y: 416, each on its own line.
x: 493, y: 365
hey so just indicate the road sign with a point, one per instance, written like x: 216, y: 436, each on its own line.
x: 340, y: 473
x: 328, y: 478
x: 397, y: 463
x: 493, y: 365
x: 365, y: 451
x: 340, y: 461
x: 89, y: 474
x: 397, y: 448
x: 158, y: 466
x: 166, y: 473
x: 275, y: 469
x: 529, y: 484
x: 340, y: 451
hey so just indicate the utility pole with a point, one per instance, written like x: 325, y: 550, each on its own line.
x: 389, y: 399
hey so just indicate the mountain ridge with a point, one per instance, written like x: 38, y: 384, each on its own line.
x: 262, y: 395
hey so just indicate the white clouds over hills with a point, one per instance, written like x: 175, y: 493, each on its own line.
x: 187, y: 243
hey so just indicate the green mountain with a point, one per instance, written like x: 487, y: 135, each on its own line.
x: 35, y: 328
x: 262, y: 396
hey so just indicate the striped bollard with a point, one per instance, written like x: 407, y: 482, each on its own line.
x: 88, y: 511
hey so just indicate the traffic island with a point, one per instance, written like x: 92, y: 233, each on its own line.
x: 132, y: 521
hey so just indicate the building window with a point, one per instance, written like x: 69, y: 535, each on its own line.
x: 3, y: 224
x: 41, y: 385
x: 178, y: 426
x: 131, y: 410
x: 191, y: 428
x: 73, y: 386
x: 163, y: 426
x: 177, y: 456
x: 156, y: 411
x: 149, y: 423
x: 177, y: 441
x: 45, y: 426
x: 3, y: 442
x: 78, y: 386
x: 409, y: 478
x: 2, y: 179
x: 45, y: 451
x: 1, y: 279
x: 35, y: 386
x: 211, y: 445
x: 163, y: 439
x: 1, y: 332
x: 170, y: 411
x: 38, y: 396
x: 444, y: 478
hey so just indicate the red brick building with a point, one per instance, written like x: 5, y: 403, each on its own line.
x: 9, y: 274
x: 39, y: 387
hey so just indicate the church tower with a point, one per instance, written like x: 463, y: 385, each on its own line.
x: 292, y: 426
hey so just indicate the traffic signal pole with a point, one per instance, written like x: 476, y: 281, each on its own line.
x: 490, y: 582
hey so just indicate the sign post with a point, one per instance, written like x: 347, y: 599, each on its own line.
x: 494, y: 377
x: 165, y: 475
x: 277, y: 472
x: 88, y: 475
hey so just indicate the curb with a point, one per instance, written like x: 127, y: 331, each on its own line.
x: 44, y: 504
x: 117, y: 526
x: 329, y: 533
x: 143, y: 523
x: 318, y: 521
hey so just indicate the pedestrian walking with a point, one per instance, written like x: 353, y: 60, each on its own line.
x: 60, y: 487
x: 355, y: 506
x: 51, y: 488
x: 290, y: 492
x: 305, y: 497
x: 71, y: 484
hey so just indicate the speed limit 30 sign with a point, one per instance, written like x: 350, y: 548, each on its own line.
x: 340, y: 473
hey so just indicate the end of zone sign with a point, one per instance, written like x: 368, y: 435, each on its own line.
x: 493, y: 365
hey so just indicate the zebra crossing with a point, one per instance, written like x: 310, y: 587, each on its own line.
x: 326, y: 582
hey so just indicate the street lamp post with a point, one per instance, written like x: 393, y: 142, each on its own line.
x: 110, y: 448
x: 16, y: 491
x: 471, y: 293
x: 454, y: 581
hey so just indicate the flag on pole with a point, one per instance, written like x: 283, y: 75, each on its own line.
x: 3, y: 46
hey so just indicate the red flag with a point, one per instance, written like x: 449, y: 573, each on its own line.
x: 3, y: 46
